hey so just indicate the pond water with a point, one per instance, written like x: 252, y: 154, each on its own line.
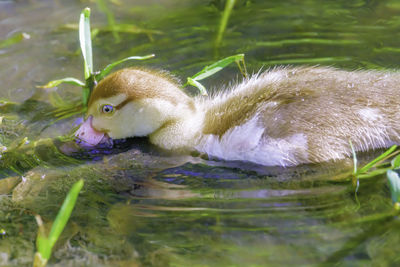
x: 141, y: 206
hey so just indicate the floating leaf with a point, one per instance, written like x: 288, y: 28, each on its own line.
x: 109, y: 67
x: 68, y: 80
x: 195, y: 83
x: 86, y: 42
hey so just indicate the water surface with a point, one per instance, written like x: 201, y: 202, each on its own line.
x: 147, y: 207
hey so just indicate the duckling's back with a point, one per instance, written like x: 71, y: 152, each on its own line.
x: 289, y: 116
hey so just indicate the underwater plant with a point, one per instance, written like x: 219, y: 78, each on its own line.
x: 44, y: 242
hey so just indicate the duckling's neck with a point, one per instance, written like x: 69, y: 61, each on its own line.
x: 199, y: 122
x: 182, y: 127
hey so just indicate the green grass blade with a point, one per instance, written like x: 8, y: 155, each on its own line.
x: 16, y: 38
x: 224, y: 21
x: 373, y: 173
x: 109, y: 67
x: 42, y: 242
x: 86, y: 42
x: 68, y: 80
x: 396, y: 162
x: 195, y: 83
x: 376, y: 160
x: 217, y: 66
x: 64, y: 213
x: 85, y: 96
x: 394, y: 185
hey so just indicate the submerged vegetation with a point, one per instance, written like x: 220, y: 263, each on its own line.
x: 379, y: 166
x: 44, y: 242
x: 14, y: 39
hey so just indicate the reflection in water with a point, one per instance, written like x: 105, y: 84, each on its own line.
x: 142, y: 206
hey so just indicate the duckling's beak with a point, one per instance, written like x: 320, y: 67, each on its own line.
x: 88, y: 134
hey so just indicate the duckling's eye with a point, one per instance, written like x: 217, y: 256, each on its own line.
x: 107, y: 109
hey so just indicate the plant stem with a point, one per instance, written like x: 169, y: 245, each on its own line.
x: 224, y: 21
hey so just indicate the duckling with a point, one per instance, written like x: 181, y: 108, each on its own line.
x: 284, y: 116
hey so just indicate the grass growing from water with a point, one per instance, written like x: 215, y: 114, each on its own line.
x: 91, y: 77
x: 379, y: 166
x: 26, y: 156
x: 224, y: 21
x: 44, y: 242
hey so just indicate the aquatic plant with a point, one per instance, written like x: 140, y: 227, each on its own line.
x: 375, y: 167
x: 91, y: 77
x: 23, y: 155
x: 394, y: 186
x: 379, y: 166
x: 224, y: 21
x: 214, y: 68
x: 394, y: 181
x: 44, y: 242
x: 114, y: 27
x: 14, y: 39
x: 102, y: 5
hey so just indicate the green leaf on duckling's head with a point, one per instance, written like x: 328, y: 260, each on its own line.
x: 394, y: 185
x: 69, y: 80
x: 217, y: 66
x: 109, y: 67
x: 198, y: 85
x: 86, y: 42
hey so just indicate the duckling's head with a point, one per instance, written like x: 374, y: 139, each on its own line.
x: 132, y: 102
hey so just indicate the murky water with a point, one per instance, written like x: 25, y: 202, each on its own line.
x: 146, y: 207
